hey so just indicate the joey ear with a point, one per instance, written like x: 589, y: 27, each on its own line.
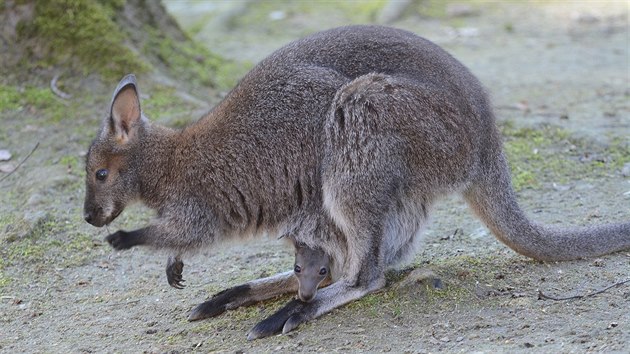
x: 125, y: 112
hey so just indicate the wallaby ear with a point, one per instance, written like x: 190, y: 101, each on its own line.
x: 125, y: 112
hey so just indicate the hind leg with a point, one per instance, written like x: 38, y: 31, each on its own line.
x: 359, y: 205
x: 245, y: 294
x: 364, y: 178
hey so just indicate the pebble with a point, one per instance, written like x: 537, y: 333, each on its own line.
x: 461, y: 10
x: 7, y: 167
x: 5, y: 155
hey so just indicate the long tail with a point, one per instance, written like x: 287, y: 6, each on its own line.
x: 492, y: 198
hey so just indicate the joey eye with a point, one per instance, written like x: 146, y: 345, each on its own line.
x: 323, y: 271
x: 101, y: 174
x: 297, y: 269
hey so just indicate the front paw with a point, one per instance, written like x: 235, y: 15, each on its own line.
x: 120, y: 240
x: 174, y: 270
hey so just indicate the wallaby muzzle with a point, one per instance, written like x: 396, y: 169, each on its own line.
x: 307, y: 296
x: 95, y: 214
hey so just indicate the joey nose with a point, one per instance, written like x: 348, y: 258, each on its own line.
x: 88, y: 217
x: 306, y: 297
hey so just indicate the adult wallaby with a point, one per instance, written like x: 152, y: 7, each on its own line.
x: 345, y: 139
x: 311, y: 268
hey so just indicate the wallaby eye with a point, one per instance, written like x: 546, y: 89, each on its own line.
x: 101, y: 174
x: 323, y: 271
x: 297, y: 269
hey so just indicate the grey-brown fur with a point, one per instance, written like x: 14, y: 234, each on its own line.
x: 344, y: 139
x: 312, y: 269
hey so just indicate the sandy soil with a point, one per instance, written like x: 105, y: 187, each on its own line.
x: 560, y: 64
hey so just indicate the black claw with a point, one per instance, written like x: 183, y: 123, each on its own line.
x: 174, y: 270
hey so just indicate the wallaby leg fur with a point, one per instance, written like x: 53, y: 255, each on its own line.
x: 245, y: 294
x: 343, y: 139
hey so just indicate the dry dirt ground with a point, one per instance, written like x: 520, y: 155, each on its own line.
x: 562, y: 64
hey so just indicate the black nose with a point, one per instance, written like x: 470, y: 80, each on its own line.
x: 88, y: 217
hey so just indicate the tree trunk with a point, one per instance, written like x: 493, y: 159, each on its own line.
x: 106, y: 38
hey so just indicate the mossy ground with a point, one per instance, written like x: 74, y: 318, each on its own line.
x: 550, y: 154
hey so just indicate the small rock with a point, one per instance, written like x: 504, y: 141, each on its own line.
x: 35, y: 217
x: 561, y: 187
x: 420, y: 275
x: 468, y: 32
x: 277, y: 15
x: 5, y: 155
x: 612, y: 325
x: 151, y: 331
x: 355, y: 330
x: 598, y: 263
x: 461, y: 10
x: 479, y: 233
x: 34, y: 199
x: 7, y: 167
x: 437, y: 283
x: 393, y: 11
x: 582, y: 17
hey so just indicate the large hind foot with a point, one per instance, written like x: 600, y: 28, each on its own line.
x: 297, y: 312
x: 245, y: 294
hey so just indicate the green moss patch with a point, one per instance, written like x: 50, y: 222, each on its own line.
x: 189, y: 61
x: 549, y: 154
x: 38, y: 101
x: 83, y: 31
x: 47, y: 244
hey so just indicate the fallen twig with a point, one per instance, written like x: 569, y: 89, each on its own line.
x: 21, y: 162
x: 542, y: 296
x: 56, y: 90
x: 123, y: 303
